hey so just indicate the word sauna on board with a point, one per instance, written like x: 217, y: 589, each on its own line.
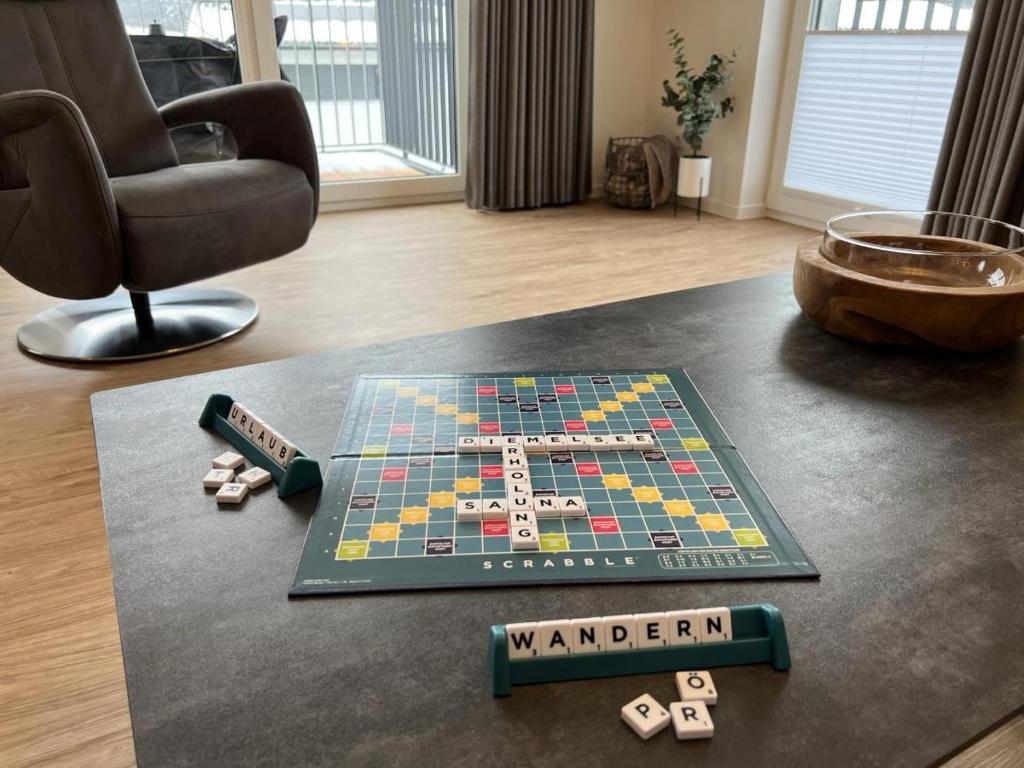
x: 642, y: 643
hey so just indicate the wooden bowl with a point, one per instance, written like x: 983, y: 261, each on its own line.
x: 912, y: 289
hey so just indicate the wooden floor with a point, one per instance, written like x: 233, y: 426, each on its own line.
x: 364, y: 277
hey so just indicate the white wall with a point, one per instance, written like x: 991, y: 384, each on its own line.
x: 632, y: 57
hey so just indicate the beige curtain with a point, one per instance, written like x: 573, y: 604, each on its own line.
x: 530, y: 97
x: 980, y: 170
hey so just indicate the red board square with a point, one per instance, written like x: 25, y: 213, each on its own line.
x: 588, y: 469
x: 490, y: 426
x: 604, y: 524
x: 495, y: 527
x: 565, y: 389
x: 491, y: 472
x: 661, y: 423
x: 684, y: 468
x: 401, y: 429
x: 392, y: 474
x: 575, y: 426
x: 486, y: 390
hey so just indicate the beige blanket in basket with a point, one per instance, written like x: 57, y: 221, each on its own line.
x: 662, y: 157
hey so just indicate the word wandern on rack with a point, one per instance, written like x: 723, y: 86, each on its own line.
x: 264, y: 446
x: 573, y: 649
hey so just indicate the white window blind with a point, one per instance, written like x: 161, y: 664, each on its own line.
x: 870, y: 114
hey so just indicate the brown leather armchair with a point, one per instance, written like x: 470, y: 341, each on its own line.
x: 92, y: 196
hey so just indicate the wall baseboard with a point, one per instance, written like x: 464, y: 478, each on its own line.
x: 800, y: 221
x: 330, y: 206
x: 726, y: 210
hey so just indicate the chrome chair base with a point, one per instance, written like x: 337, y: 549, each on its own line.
x: 136, y: 326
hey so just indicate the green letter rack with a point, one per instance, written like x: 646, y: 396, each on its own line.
x: 759, y: 635
x: 302, y: 471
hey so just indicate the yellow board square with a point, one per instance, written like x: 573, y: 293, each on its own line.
x: 593, y: 415
x: 713, y: 522
x: 679, y: 507
x: 384, y: 532
x: 554, y: 542
x: 441, y: 499
x: 426, y: 400
x: 643, y: 387
x: 351, y: 550
x: 749, y: 537
x: 611, y: 405
x: 616, y: 481
x: 414, y: 515
x: 406, y: 392
x: 468, y: 418
x: 388, y: 383
x: 446, y: 410
x: 627, y: 397
x: 695, y: 444
x: 526, y: 381
x: 658, y: 378
x: 467, y: 485
x: 370, y: 451
x: 646, y: 493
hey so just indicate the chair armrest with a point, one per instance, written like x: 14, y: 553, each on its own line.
x: 59, y: 230
x: 267, y: 119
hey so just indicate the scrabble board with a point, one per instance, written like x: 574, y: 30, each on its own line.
x: 686, y: 507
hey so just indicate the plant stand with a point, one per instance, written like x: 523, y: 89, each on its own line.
x: 692, y: 180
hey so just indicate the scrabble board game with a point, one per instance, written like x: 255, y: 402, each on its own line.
x: 681, y: 505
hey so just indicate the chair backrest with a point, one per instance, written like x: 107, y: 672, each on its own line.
x: 80, y: 48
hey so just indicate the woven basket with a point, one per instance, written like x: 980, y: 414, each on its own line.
x: 625, y: 173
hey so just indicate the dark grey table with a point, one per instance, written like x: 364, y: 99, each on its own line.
x: 900, y: 471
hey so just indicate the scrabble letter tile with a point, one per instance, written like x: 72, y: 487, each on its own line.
x: 599, y: 443
x: 620, y: 443
x: 683, y: 627
x: 645, y: 716
x: 555, y: 442
x: 546, y: 506
x: 715, y: 624
x: 516, y: 476
x: 651, y: 630
x: 255, y: 477
x: 229, y: 460
x: 523, y: 640
x: 468, y: 444
x: 232, y: 493
x: 215, y: 478
x: 577, y: 443
x: 522, y: 517
x: 535, y: 444
x: 285, y: 453
x: 696, y: 686
x: 494, y: 509
x: 587, y: 635
x: 572, y: 506
x: 512, y: 441
x: 490, y: 444
x: 691, y: 720
x: 524, y: 537
x: 642, y: 442
x: 468, y: 510
x: 555, y: 637
x: 619, y: 633
x: 514, y: 462
x: 519, y: 504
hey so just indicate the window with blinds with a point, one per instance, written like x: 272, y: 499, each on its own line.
x: 876, y: 81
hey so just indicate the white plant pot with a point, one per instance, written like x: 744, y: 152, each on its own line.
x: 694, y: 178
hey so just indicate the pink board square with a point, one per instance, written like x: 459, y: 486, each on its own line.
x: 485, y: 390
x: 604, y: 525
x: 684, y: 468
x: 393, y: 474
x: 491, y: 472
x: 575, y: 426
x: 565, y: 389
x: 588, y: 469
x: 401, y: 429
x: 490, y: 427
x: 495, y: 528
x: 661, y: 423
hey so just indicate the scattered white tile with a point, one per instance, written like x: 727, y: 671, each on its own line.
x: 522, y: 517
x: 587, y: 635
x: 572, y: 506
x: 683, y: 627
x: 523, y: 640
x: 232, y: 493
x: 468, y: 444
x: 255, y: 477
x: 651, y: 630
x: 691, y: 720
x: 215, y: 478
x: 619, y: 633
x: 229, y: 460
x: 555, y: 637
x: 546, y: 506
x: 468, y: 510
x: 645, y: 716
x: 524, y: 537
x: 535, y: 444
x: 715, y: 624
x: 696, y: 686
x: 494, y: 509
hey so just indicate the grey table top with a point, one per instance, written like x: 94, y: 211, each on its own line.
x: 900, y: 471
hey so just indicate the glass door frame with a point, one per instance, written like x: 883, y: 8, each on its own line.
x: 258, y: 54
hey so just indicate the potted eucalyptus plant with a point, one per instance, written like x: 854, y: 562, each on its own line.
x: 694, y: 99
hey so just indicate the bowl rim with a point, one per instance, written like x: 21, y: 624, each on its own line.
x: 853, y: 240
